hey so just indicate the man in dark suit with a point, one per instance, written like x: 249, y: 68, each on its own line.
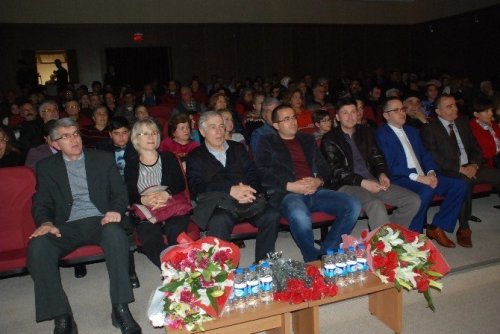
x: 457, y: 153
x: 411, y: 166
x: 80, y: 200
x: 222, y: 170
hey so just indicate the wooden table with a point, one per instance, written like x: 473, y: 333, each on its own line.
x: 384, y: 302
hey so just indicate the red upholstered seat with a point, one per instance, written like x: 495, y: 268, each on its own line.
x: 17, y: 187
x: 160, y: 111
x: 83, y: 255
x: 244, y: 231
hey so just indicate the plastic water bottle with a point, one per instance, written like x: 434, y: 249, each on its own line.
x: 329, y: 267
x: 352, y: 266
x: 239, y: 290
x: 362, y: 264
x: 229, y: 307
x: 252, y: 287
x: 341, y: 268
x: 266, y: 283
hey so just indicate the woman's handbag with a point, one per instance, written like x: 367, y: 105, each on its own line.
x: 177, y: 205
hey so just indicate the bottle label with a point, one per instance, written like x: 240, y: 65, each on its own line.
x: 266, y: 284
x: 351, y: 266
x: 240, y: 289
x: 329, y: 270
x: 253, y: 287
x: 341, y: 269
x: 362, y: 265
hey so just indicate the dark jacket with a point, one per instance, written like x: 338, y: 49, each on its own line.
x: 338, y: 154
x: 439, y: 143
x: 276, y: 167
x: 53, y: 199
x: 171, y: 176
x: 205, y: 173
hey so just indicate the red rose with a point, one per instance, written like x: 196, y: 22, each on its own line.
x: 312, y: 271
x: 392, y: 260
x: 409, y: 236
x: 380, y: 245
x: 423, y: 284
x: 391, y: 276
x: 379, y: 261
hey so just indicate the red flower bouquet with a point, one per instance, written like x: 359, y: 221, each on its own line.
x: 406, y: 258
x: 198, y: 278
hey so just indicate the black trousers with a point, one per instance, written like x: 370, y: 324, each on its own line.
x: 483, y: 175
x: 43, y: 263
x: 221, y: 224
x: 151, y: 236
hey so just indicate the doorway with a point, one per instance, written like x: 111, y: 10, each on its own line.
x: 138, y: 66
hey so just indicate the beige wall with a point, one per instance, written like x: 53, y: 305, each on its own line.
x: 234, y: 11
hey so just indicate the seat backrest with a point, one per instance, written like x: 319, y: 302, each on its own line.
x: 17, y: 186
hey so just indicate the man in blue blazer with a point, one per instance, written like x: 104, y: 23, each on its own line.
x: 411, y: 166
x: 80, y: 200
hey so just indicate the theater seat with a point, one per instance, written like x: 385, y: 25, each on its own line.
x: 17, y: 187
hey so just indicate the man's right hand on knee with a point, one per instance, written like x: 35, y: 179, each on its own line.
x: 45, y: 228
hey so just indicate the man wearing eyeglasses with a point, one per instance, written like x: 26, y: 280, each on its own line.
x: 80, y: 200
x: 293, y: 169
x: 411, y: 166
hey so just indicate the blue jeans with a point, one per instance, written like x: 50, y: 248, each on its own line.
x: 297, y: 209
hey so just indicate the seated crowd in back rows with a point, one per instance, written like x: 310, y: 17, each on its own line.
x: 285, y: 151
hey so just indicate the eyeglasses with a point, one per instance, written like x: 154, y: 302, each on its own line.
x: 68, y: 136
x: 147, y: 134
x: 397, y: 110
x: 288, y: 119
x: 4, y: 139
x: 50, y: 110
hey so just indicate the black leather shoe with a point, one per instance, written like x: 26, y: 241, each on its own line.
x: 134, y: 280
x: 65, y: 324
x: 475, y: 219
x: 80, y: 270
x: 121, y: 318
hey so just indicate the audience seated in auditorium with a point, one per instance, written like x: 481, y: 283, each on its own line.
x: 127, y: 108
x: 411, y: 166
x: 30, y: 130
x: 84, y: 102
x: 199, y: 93
x: 10, y: 156
x: 118, y: 142
x: 171, y: 97
x: 97, y: 132
x: 149, y: 169
x: 415, y: 115
x: 319, y: 99
x: 148, y: 97
x: 455, y: 150
x: 302, y: 114
x: 358, y: 168
x: 253, y: 119
x: 365, y: 115
x: 41, y: 151
x: 323, y: 124
x: 486, y: 131
x: 188, y: 105
x: 221, y: 173
x: 110, y: 103
x: 179, y: 141
x: 266, y: 113
x: 98, y: 198
x: 72, y: 110
x: 230, y: 134
x: 294, y: 170
x: 431, y: 94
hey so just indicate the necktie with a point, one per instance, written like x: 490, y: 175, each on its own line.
x: 419, y: 169
x: 453, y: 138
